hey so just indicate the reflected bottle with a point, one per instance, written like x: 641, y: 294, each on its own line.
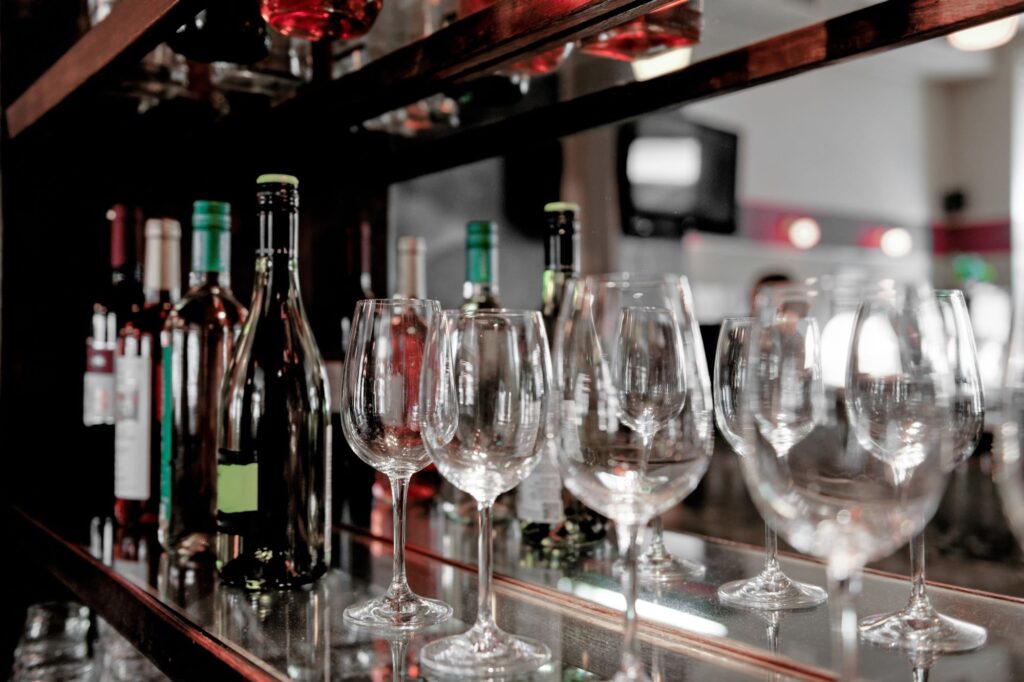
x: 273, y: 469
x: 321, y: 19
x: 198, y: 343
x: 550, y: 517
x: 666, y: 28
x: 138, y: 371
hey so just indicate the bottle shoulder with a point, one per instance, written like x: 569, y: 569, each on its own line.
x: 209, y: 305
x: 149, y: 320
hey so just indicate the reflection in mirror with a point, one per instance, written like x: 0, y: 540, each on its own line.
x: 897, y: 165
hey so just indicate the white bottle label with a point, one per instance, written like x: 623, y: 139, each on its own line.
x: 539, y: 496
x: 132, y: 428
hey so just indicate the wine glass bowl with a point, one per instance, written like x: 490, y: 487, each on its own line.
x: 486, y: 422
x: 380, y: 416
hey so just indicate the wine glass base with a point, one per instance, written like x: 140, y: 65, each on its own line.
x: 771, y: 590
x: 484, y: 651
x: 407, y: 613
x: 667, y: 568
x: 922, y: 629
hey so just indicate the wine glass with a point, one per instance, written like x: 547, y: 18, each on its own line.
x: 486, y: 420
x: 1008, y: 453
x: 771, y: 589
x: 872, y: 466
x: 919, y: 626
x: 631, y: 449
x: 381, y: 420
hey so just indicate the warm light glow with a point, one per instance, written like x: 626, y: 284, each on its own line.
x: 896, y: 242
x: 672, y: 161
x: 659, y: 65
x: 986, y: 36
x: 835, y: 348
x: 804, y: 233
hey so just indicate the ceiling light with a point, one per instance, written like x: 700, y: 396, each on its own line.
x: 896, y: 242
x: 804, y: 233
x: 986, y: 36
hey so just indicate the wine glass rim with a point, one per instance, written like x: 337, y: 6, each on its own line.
x: 627, y: 278
x: 385, y: 302
x: 496, y: 312
x: 949, y: 293
x: 737, y: 318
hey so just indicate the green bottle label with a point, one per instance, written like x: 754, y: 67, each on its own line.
x: 166, y: 436
x: 211, y: 250
x: 237, y: 487
x: 479, y: 266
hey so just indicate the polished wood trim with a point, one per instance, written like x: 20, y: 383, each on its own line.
x: 164, y: 635
x: 866, y: 31
x: 132, y: 29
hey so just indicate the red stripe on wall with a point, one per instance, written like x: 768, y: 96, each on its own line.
x: 972, y: 237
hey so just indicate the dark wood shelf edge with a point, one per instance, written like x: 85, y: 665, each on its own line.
x: 133, y: 28
x: 163, y: 635
x: 863, y: 32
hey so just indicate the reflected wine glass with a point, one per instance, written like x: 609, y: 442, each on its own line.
x: 873, y: 465
x: 770, y: 589
x: 486, y: 421
x: 627, y: 428
x: 381, y: 420
x: 918, y: 626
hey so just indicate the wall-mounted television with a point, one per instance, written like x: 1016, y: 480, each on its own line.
x: 676, y: 175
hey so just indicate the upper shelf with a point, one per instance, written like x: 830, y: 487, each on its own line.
x: 481, y: 42
x: 132, y: 29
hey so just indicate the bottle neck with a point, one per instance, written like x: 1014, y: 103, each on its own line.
x: 412, y: 276
x: 277, y: 255
x: 482, y: 267
x: 211, y: 258
x: 562, y: 246
x: 163, y: 269
x: 365, y: 259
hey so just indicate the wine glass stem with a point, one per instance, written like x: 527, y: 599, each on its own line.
x: 657, y: 542
x: 918, y: 597
x: 771, y: 549
x: 485, y: 548
x: 632, y: 660
x: 844, y: 622
x: 399, y: 491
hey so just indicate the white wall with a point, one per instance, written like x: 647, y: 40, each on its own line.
x: 839, y: 139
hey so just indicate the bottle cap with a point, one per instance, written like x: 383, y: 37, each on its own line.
x: 409, y: 244
x: 163, y: 228
x: 561, y: 207
x: 277, y: 178
x: 211, y: 215
x: 481, y: 234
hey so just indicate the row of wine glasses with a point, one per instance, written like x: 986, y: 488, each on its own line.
x: 847, y: 418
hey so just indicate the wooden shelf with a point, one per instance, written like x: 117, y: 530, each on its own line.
x: 133, y: 28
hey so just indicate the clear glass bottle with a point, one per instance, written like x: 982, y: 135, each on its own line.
x: 671, y: 27
x: 138, y: 378
x: 198, y: 343
x: 549, y: 516
x: 274, y: 466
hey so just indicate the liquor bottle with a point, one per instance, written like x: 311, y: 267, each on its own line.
x: 535, y: 64
x: 321, y: 19
x: 550, y: 517
x: 480, y: 292
x: 122, y: 300
x: 198, y: 343
x: 138, y: 377
x: 667, y: 28
x: 273, y: 467
x: 352, y: 478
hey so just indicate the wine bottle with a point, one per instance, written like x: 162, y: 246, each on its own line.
x: 273, y: 468
x: 138, y: 374
x: 550, y: 517
x: 480, y: 292
x: 198, y: 343
x: 121, y: 300
x: 412, y: 272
